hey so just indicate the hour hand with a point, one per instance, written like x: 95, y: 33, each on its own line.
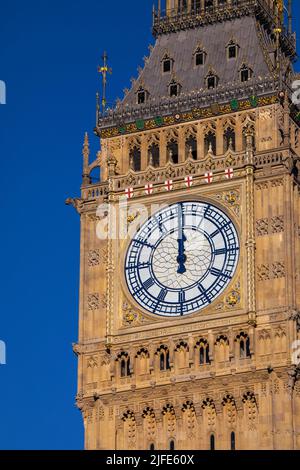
x: 181, y: 258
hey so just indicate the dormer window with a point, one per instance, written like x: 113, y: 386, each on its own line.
x: 174, y: 90
x: 141, y: 97
x: 246, y: 73
x: 167, y: 63
x: 232, y: 52
x: 199, y: 56
x: 174, y: 87
x: 166, y: 66
x: 211, y: 82
x: 211, y: 79
x: 232, y: 49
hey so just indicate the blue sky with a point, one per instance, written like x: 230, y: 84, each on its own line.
x: 50, y: 50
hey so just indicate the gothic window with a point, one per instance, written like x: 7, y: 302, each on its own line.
x: 191, y: 147
x: 229, y: 139
x: 172, y: 152
x: 212, y: 442
x: 203, y: 349
x: 124, y: 361
x: 172, y: 445
x: 135, y: 158
x: 232, y: 441
x: 164, y: 358
x: 210, y: 143
x: 152, y: 447
x: 244, y: 345
x: 153, y: 155
x: 246, y: 73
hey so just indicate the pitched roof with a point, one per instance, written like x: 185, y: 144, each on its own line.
x: 214, y: 38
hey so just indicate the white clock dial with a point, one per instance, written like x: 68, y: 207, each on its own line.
x: 182, y: 258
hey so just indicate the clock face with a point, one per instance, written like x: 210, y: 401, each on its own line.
x: 182, y: 259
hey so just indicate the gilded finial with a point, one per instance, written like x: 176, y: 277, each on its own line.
x: 104, y: 70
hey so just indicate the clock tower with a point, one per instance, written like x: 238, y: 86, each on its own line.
x: 189, y: 313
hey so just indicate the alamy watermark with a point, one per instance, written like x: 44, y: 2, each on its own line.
x: 2, y: 92
x: 296, y: 353
x: 2, y: 353
x: 296, y: 94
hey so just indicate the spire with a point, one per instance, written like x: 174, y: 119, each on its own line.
x: 86, y: 154
x: 104, y: 70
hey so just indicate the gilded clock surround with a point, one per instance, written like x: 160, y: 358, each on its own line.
x: 229, y: 368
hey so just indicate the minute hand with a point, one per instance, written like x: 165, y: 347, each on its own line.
x: 181, y: 259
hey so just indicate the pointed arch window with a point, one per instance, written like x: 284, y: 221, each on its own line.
x: 229, y: 139
x: 135, y: 158
x: 152, y: 446
x: 153, y: 155
x: 210, y: 143
x: 164, y: 358
x: 244, y: 345
x: 203, y: 348
x: 124, y: 361
x: 191, y: 147
x: 172, y: 151
x: 172, y: 445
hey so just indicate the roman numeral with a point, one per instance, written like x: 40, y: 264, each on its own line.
x: 162, y: 295
x: 203, y: 291
x: 218, y: 273
x: 221, y: 251
x: 149, y: 283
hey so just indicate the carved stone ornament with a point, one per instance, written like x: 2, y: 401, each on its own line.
x: 130, y: 316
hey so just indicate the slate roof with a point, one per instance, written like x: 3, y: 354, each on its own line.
x: 213, y: 38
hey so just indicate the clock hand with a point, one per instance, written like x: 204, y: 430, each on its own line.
x: 181, y: 258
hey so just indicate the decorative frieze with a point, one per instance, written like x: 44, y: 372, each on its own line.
x: 93, y: 258
x: 270, y: 226
x: 266, y: 272
x: 93, y: 301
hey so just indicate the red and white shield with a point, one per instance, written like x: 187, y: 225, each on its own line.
x: 169, y: 185
x: 189, y: 181
x: 208, y: 177
x: 129, y: 193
